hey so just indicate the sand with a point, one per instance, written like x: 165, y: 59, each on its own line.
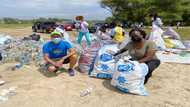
x: 168, y: 87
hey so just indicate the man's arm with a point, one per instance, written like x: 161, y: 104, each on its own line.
x: 47, y: 59
x: 72, y: 51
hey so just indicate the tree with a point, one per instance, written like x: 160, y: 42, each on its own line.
x: 139, y: 10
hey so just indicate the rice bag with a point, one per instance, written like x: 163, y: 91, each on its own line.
x: 129, y: 77
x: 88, y: 56
x: 105, y: 63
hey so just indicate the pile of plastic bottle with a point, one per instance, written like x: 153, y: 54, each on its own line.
x: 22, y: 51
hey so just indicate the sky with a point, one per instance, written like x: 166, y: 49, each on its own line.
x: 28, y: 9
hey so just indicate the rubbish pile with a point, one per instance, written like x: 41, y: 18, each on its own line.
x: 22, y: 51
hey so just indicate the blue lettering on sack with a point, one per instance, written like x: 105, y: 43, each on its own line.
x: 126, y: 68
x: 104, y: 67
x: 121, y: 80
x: 106, y: 57
x: 103, y: 75
x: 123, y: 89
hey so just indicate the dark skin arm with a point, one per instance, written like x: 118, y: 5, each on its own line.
x: 149, y: 56
x: 121, y: 51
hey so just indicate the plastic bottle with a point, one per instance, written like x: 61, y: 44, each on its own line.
x: 86, y: 91
x: 6, y: 93
x: 17, y: 66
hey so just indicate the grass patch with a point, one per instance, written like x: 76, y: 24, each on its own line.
x: 13, y: 26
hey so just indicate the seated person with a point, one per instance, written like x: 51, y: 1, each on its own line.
x: 142, y: 50
x: 103, y: 35
x: 58, y: 52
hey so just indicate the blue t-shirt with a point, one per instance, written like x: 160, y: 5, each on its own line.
x: 56, y: 50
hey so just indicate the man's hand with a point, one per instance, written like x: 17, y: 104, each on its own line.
x: 60, y: 63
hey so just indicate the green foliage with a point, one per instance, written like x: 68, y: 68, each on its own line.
x: 139, y: 10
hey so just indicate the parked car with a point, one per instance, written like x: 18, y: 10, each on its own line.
x: 92, y: 29
x: 44, y: 27
x: 69, y: 26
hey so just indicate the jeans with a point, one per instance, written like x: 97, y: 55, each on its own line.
x: 152, y: 65
x: 87, y: 36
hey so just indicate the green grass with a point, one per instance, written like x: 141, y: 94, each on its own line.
x: 12, y: 26
x: 183, y: 31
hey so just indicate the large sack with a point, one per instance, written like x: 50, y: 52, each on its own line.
x: 172, y: 43
x: 129, y: 77
x: 187, y: 44
x: 172, y: 34
x: 125, y: 42
x: 88, y: 56
x: 156, y: 36
x: 105, y: 62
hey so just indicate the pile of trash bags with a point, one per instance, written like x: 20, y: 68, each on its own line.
x: 167, y: 39
x: 99, y: 62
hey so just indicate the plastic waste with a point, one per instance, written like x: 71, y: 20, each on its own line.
x: 6, y: 93
x: 87, y: 91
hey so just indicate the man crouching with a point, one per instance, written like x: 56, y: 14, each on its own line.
x: 58, y: 52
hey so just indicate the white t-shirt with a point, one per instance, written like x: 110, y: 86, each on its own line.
x: 84, y: 26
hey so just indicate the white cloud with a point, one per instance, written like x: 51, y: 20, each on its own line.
x: 52, y: 8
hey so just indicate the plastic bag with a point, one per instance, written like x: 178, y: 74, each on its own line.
x: 105, y: 62
x: 171, y: 33
x: 88, y: 56
x: 156, y: 36
x: 129, y: 77
x: 187, y: 44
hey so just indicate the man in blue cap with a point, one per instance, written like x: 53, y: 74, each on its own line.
x: 58, y: 52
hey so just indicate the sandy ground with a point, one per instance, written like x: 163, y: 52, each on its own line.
x: 169, y: 87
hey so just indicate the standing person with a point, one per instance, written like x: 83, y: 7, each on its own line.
x: 141, y: 50
x: 58, y: 52
x: 82, y: 25
x: 156, y: 20
x: 118, y: 33
x: 178, y: 25
x: 65, y: 35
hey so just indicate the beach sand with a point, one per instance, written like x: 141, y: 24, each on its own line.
x: 168, y: 87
